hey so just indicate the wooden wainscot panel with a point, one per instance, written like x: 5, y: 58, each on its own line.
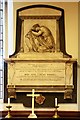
x: 42, y: 113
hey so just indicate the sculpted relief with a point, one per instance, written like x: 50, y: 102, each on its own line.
x: 40, y: 39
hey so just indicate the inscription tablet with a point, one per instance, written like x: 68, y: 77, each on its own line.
x: 42, y: 73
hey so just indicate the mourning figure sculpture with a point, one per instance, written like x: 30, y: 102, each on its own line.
x: 40, y: 39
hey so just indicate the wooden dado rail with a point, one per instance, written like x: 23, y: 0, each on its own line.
x: 47, y: 114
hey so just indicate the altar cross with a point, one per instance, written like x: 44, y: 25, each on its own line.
x: 33, y: 95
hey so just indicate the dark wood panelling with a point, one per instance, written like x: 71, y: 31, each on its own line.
x: 49, y: 114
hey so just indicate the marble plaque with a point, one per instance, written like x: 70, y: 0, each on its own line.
x: 40, y: 60
x: 39, y: 73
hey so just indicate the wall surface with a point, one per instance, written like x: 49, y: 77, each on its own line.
x: 71, y: 35
x: 78, y: 56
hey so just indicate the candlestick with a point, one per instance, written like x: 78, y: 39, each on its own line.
x: 9, y: 114
x: 56, y: 112
x: 55, y: 101
x: 56, y: 109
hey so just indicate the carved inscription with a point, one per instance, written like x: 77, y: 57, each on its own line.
x: 24, y: 73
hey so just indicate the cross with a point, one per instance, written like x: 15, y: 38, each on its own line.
x: 33, y: 95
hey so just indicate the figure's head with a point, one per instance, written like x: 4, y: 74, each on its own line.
x: 36, y: 27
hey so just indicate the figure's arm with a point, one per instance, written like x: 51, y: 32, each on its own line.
x: 37, y: 33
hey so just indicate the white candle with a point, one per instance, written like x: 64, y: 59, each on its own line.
x: 33, y: 91
x: 32, y: 101
x: 8, y: 101
x: 55, y: 101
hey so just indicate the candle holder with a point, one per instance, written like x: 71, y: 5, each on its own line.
x: 9, y: 114
x: 56, y: 112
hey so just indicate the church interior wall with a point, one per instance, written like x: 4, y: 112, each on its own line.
x: 71, y: 39
x: 78, y: 56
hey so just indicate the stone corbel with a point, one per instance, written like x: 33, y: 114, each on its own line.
x: 68, y: 93
x: 11, y: 91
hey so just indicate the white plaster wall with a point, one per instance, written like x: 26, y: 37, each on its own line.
x: 71, y: 35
